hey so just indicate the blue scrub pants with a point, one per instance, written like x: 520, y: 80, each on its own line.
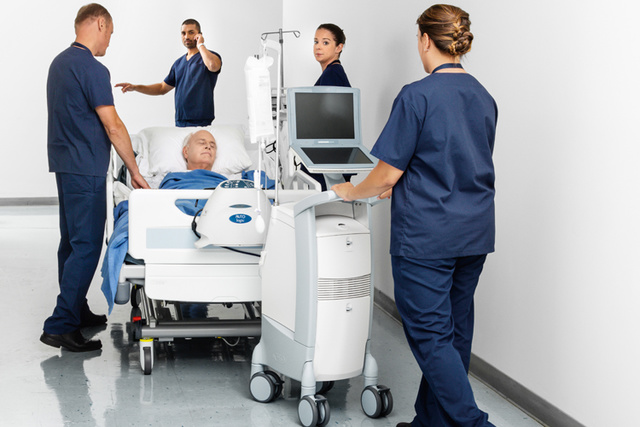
x: 435, y: 300
x: 83, y: 212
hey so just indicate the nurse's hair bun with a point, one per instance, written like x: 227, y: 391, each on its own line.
x: 449, y: 28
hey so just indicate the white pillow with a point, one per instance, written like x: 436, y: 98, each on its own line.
x: 231, y: 155
x: 161, y: 150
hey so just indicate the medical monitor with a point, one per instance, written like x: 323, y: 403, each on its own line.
x: 324, y: 129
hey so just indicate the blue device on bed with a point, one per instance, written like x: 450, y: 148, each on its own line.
x: 237, y: 183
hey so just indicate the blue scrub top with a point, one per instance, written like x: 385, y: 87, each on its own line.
x: 77, y: 141
x: 333, y: 75
x: 441, y: 133
x: 194, y: 85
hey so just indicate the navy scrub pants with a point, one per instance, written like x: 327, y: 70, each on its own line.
x: 83, y: 211
x: 435, y: 300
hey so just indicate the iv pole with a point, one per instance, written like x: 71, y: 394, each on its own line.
x: 264, y: 36
x: 281, y: 33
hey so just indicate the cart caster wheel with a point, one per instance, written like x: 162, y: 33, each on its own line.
x: 324, y: 412
x: 277, y: 381
x: 387, y: 400
x: 314, y: 411
x: 265, y: 386
x: 146, y: 355
x: 376, y: 401
x: 323, y: 387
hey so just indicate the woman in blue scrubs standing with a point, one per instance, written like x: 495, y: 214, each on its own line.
x: 435, y: 152
x: 328, y: 43
x: 327, y: 48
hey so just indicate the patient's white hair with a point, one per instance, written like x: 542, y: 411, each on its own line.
x: 187, y: 139
x: 186, y: 142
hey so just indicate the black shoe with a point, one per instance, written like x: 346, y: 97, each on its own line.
x: 89, y: 319
x: 403, y: 425
x: 73, y: 341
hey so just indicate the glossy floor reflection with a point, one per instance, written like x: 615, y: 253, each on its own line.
x: 200, y: 382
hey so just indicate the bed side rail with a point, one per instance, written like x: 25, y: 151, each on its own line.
x: 159, y: 232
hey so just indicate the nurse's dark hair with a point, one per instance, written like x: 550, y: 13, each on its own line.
x: 449, y: 28
x: 92, y: 11
x: 338, y: 34
x: 192, y: 22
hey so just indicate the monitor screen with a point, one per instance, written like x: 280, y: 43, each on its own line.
x: 324, y: 115
x: 336, y: 155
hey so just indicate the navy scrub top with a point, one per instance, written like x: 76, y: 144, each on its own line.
x: 441, y: 133
x: 77, y: 141
x: 333, y: 75
x: 194, y: 85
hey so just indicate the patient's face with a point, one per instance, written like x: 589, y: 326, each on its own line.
x: 200, y: 152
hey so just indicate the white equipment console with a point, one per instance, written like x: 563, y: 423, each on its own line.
x: 317, y: 305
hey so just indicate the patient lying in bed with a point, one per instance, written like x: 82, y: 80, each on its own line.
x: 199, y: 152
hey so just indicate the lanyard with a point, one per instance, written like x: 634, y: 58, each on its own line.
x: 447, y: 65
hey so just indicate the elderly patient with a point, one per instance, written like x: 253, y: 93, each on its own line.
x: 200, y: 150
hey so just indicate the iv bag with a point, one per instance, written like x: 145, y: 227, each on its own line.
x: 258, y: 82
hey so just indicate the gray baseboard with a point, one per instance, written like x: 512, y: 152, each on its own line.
x: 525, y: 399
x: 28, y: 201
x: 386, y: 304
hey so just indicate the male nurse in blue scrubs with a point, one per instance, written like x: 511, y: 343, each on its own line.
x: 194, y: 77
x: 83, y: 125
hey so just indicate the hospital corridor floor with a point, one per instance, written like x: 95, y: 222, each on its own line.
x: 198, y: 382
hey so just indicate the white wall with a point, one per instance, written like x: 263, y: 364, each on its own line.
x: 558, y: 301
x: 556, y: 306
x: 146, y: 41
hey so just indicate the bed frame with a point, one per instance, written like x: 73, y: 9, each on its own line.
x: 168, y: 273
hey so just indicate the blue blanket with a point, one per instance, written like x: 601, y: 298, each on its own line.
x: 119, y: 242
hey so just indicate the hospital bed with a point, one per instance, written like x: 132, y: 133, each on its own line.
x: 165, y: 272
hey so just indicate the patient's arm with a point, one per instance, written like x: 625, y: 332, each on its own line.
x: 154, y: 89
x: 119, y: 137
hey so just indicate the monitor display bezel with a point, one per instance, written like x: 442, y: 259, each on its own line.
x: 298, y: 143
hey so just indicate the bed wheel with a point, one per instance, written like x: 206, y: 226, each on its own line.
x: 146, y: 355
x: 147, y: 361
